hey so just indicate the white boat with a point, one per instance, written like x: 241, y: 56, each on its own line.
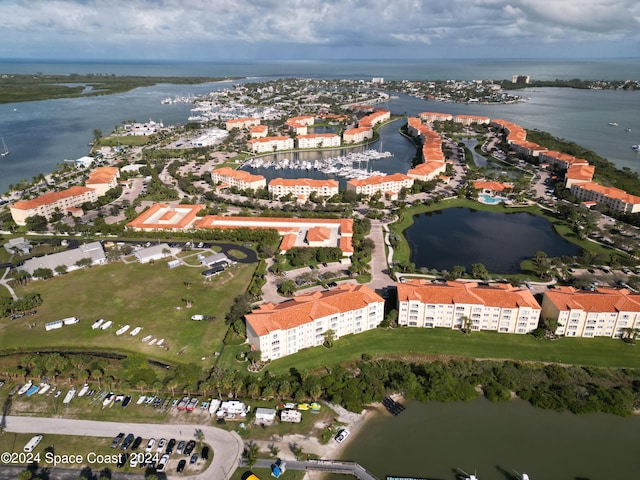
x: 613, y: 124
x: 213, y: 406
x: 153, y: 341
x: 135, y: 331
x: 43, y: 388
x: 160, y: 342
x: 97, y: 324
x: 141, y: 400
x: 108, y: 399
x: 636, y: 148
x: 69, y: 396
x: 106, y: 325
x: 147, y: 338
x: 25, y: 387
x: 122, y: 330
x: 342, y: 435
x: 83, y: 390
x: 5, y: 149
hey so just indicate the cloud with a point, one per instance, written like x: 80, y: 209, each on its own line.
x: 224, y: 28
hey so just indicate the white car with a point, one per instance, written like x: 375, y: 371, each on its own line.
x: 161, y: 445
x: 162, y: 464
x: 150, y: 444
x: 342, y: 435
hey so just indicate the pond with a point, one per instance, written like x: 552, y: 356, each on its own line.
x: 500, y: 241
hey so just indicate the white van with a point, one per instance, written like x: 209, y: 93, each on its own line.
x: 32, y: 444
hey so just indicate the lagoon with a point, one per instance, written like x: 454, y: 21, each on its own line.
x: 431, y: 440
x: 500, y: 241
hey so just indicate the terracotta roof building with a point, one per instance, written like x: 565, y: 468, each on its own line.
x: 259, y: 131
x: 47, y: 204
x: 318, y: 140
x: 245, y: 122
x: 102, y: 179
x: 357, y: 135
x: 237, y: 178
x: 579, y: 174
x: 613, y: 198
x: 380, y: 183
x: 491, y: 187
x: 270, y: 144
x: 163, y: 216
x: 284, y: 329
x: 605, y: 312
x: 301, y: 188
x: 295, y: 231
x: 501, y: 308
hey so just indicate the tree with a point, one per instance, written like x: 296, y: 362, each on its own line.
x: 630, y: 335
x: 61, y: 269
x: 467, y: 325
x: 37, y: 223
x: 254, y: 356
x: 329, y: 337
x: 287, y: 287
x: 479, y: 271
x: 251, y: 454
x: 43, y: 273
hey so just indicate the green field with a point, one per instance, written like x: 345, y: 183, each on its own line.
x: 420, y: 344
x: 150, y: 296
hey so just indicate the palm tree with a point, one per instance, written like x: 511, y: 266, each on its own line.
x: 630, y: 334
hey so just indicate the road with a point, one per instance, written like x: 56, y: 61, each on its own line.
x: 227, y: 446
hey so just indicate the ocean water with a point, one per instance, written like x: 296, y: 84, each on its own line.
x: 42, y: 134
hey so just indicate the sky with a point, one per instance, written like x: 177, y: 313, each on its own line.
x: 245, y: 30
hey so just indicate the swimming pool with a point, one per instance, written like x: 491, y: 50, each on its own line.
x: 488, y: 199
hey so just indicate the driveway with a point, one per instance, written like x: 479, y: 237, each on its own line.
x: 227, y: 446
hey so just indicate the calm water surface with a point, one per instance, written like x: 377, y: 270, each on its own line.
x: 430, y: 440
x: 500, y: 241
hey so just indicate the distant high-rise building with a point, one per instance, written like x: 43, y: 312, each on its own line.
x: 521, y: 79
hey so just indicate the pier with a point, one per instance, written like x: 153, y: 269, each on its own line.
x: 329, y: 466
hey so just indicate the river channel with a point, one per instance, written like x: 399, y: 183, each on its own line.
x: 431, y: 440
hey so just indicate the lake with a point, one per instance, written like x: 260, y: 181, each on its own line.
x: 431, y: 440
x: 500, y: 241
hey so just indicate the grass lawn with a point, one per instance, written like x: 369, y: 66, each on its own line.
x: 415, y: 342
x: 150, y: 296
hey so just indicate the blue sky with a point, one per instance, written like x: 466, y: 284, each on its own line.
x: 318, y: 29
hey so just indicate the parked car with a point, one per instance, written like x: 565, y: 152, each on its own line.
x: 205, y: 453
x: 136, y: 443
x: 189, y: 448
x: 127, y: 441
x: 161, y: 445
x: 194, y: 459
x: 181, y: 446
x: 116, y: 441
x: 150, y: 444
x: 123, y: 458
x: 162, y: 464
x: 181, y: 464
x: 170, y: 445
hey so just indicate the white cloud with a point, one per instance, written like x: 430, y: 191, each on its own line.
x: 223, y: 27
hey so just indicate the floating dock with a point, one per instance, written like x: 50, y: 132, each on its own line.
x: 394, y: 408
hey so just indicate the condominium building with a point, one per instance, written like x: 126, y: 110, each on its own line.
x: 471, y: 119
x: 560, y: 160
x: 301, y: 188
x: 432, y: 155
x: 430, y: 117
x: 270, y: 144
x: 357, y: 135
x: 102, y: 179
x: 163, y: 216
x: 278, y: 330
x: 259, y: 131
x: 65, y: 201
x: 604, y: 312
x: 318, y: 140
x: 501, y: 308
x: 385, y: 184
x: 613, y: 198
x: 380, y: 115
x: 578, y: 174
x: 238, y: 178
x: 245, y: 122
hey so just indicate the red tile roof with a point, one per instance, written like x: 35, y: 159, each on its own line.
x: 51, y: 197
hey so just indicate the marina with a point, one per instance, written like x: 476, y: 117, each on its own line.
x: 352, y: 165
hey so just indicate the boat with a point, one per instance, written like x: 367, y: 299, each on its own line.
x: 108, y: 399
x: 120, y: 331
x: 636, y: 147
x: 126, y: 401
x: 213, y: 406
x: 44, y: 387
x: 462, y: 475
x: 69, y: 396
x: 315, y: 406
x: 613, y: 124
x: 5, y: 149
x: 521, y: 476
x: 342, y: 435
x: 97, y: 324
x: 141, y: 400
x: 83, y: 391
x: 135, y: 331
x: 183, y: 403
x: 303, y: 406
x: 25, y: 387
x: 32, y: 390
x: 106, y: 325
x: 191, y: 405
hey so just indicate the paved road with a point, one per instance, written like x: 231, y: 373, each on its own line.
x: 227, y: 446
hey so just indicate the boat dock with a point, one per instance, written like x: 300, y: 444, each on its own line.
x: 394, y: 408
x: 329, y: 466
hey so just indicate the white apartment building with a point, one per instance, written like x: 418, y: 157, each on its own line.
x: 284, y: 329
x: 245, y: 122
x: 357, y: 135
x: 605, y: 312
x: 301, y: 188
x: 238, y: 178
x: 318, y: 140
x: 270, y: 144
x: 47, y: 204
x: 613, y: 198
x: 385, y: 184
x: 501, y: 308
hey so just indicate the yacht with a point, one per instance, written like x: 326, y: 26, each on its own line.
x: 636, y: 147
x: 5, y: 149
x: 613, y: 124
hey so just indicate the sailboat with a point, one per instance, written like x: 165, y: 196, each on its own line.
x: 5, y: 149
